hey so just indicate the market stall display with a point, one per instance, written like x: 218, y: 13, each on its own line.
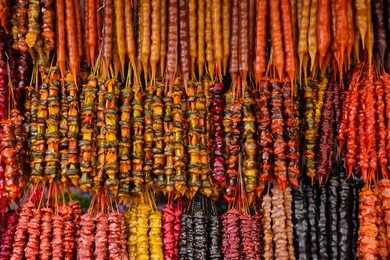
x: 200, y: 129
